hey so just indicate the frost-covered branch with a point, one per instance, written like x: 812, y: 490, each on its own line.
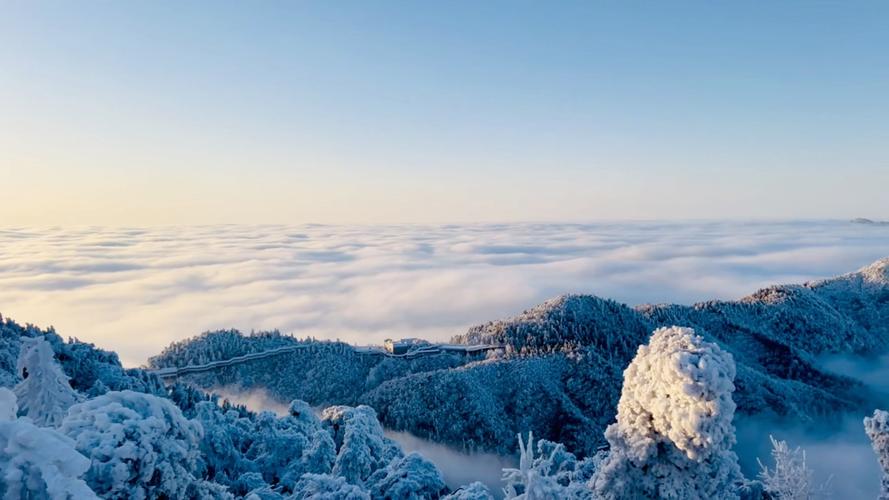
x: 791, y: 479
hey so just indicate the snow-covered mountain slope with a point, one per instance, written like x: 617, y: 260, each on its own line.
x: 561, y: 374
x: 564, y: 323
x: 846, y: 314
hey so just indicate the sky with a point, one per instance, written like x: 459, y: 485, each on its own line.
x: 157, y: 113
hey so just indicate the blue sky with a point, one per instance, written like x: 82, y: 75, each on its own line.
x: 203, y: 112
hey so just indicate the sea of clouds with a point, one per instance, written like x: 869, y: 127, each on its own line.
x: 134, y: 290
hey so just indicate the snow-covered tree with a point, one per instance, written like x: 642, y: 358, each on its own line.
x: 317, y: 457
x: 877, y: 428
x: 44, y: 395
x: 285, y: 448
x: 264, y: 493
x: 408, y: 477
x: 673, y: 436
x: 249, y: 452
x: 529, y: 482
x: 472, y: 491
x: 361, y: 446
x: 554, y: 473
x: 302, y: 415
x: 326, y: 487
x: 37, y: 462
x: 791, y: 479
x: 140, y: 446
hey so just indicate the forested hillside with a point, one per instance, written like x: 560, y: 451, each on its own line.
x: 561, y: 373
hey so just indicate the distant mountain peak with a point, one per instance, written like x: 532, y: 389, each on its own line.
x: 862, y: 220
x: 878, y: 272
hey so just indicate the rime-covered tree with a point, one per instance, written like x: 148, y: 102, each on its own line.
x: 673, y: 436
x: 37, y: 462
x: 877, y: 428
x: 409, y: 477
x: 791, y: 479
x: 471, y: 491
x: 361, y: 447
x: 44, y: 395
x: 529, y: 482
x: 140, y: 446
x: 326, y: 487
x: 553, y: 473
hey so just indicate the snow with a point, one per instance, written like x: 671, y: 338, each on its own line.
x: 876, y: 273
x: 37, y: 462
x: 140, y: 446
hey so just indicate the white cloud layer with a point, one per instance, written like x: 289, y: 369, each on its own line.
x: 136, y: 289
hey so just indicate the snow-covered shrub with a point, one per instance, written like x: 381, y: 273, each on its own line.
x: 140, y: 446
x: 877, y: 428
x: 550, y: 475
x: 673, y: 436
x: 791, y: 479
x: 410, y: 477
x: 361, y: 447
x: 44, y: 395
x: 472, y: 491
x: 37, y: 462
x: 326, y: 487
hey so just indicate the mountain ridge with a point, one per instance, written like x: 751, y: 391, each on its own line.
x: 560, y: 375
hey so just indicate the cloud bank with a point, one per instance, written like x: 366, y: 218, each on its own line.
x: 134, y: 290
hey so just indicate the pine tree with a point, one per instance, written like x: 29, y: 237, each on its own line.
x: 44, y: 395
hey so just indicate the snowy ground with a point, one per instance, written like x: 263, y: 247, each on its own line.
x: 135, y: 290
